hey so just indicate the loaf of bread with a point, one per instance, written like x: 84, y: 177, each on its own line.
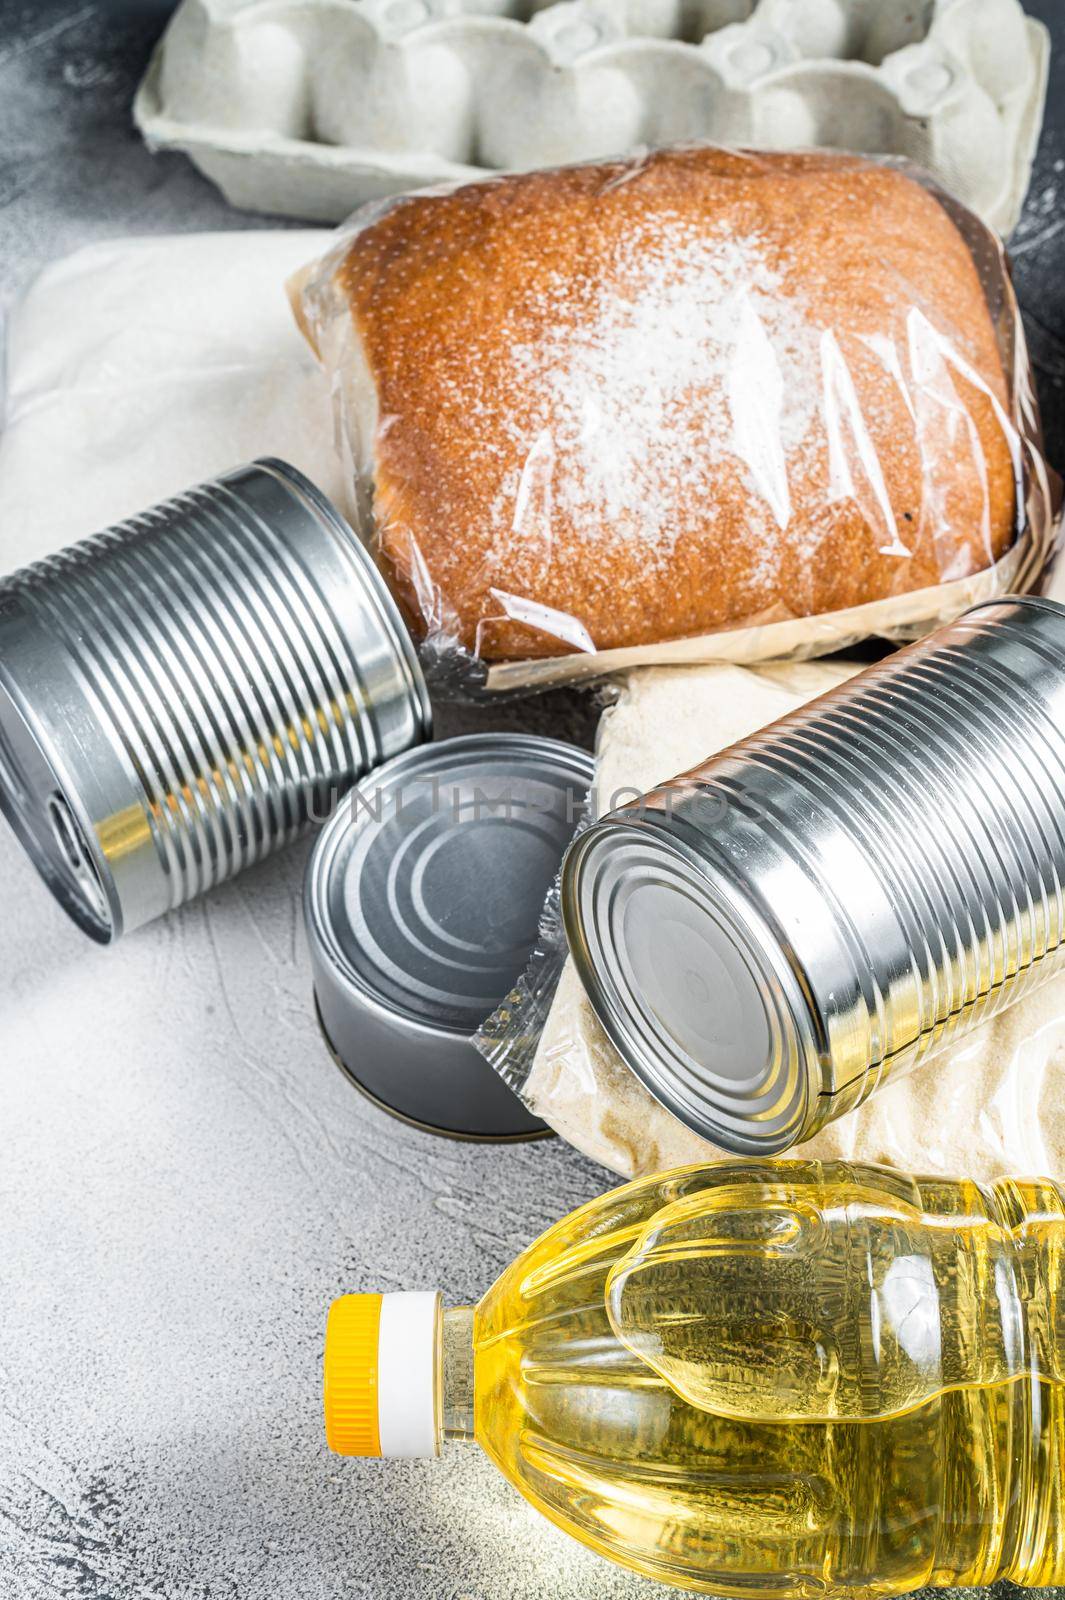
x: 616, y: 404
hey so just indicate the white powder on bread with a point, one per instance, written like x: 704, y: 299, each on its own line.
x: 688, y: 351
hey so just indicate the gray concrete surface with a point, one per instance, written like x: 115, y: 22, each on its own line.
x: 174, y: 1219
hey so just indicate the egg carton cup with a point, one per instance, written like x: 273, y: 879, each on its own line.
x: 309, y: 108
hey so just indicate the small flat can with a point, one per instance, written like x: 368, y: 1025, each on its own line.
x: 422, y: 902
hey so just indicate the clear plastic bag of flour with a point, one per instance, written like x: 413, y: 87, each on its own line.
x: 696, y: 405
x: 989, y: 1105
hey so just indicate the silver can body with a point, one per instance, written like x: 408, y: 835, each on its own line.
x: 180, y: 694
x: 828, y: 903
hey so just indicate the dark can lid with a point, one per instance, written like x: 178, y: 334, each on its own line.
x: 423, y: 900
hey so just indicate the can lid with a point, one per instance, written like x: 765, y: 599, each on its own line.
x: 54, y: 816
x: 690, y: 987
x: 423, y: 900
x: 380, y: 1390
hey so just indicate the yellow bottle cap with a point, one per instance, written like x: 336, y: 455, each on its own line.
x: 352, y: 1338
x: 382, y: 1358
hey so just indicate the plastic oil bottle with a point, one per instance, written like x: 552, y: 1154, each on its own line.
x: 756, y: 1378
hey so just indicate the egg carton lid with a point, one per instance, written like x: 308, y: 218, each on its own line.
x: 310, y: 108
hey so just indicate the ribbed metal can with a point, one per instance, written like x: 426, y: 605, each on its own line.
x: 826, y: 904
x: 181, y: 694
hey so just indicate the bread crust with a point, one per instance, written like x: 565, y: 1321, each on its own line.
x: 630, y: 402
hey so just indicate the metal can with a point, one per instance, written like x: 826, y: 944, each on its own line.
x: 180, y: 694
x: 422, y: 904
x: 828, y: 903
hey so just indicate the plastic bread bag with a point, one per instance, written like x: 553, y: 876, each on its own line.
x: 698, y: 405
x: 989, y: 1105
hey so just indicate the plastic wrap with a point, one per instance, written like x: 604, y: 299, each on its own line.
x: 988, y: 1105
x: 703, y: 405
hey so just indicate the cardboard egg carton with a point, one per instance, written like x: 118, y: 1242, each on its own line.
x: 311, y: 107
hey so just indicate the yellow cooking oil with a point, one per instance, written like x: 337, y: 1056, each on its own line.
x: 784, y: 1379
